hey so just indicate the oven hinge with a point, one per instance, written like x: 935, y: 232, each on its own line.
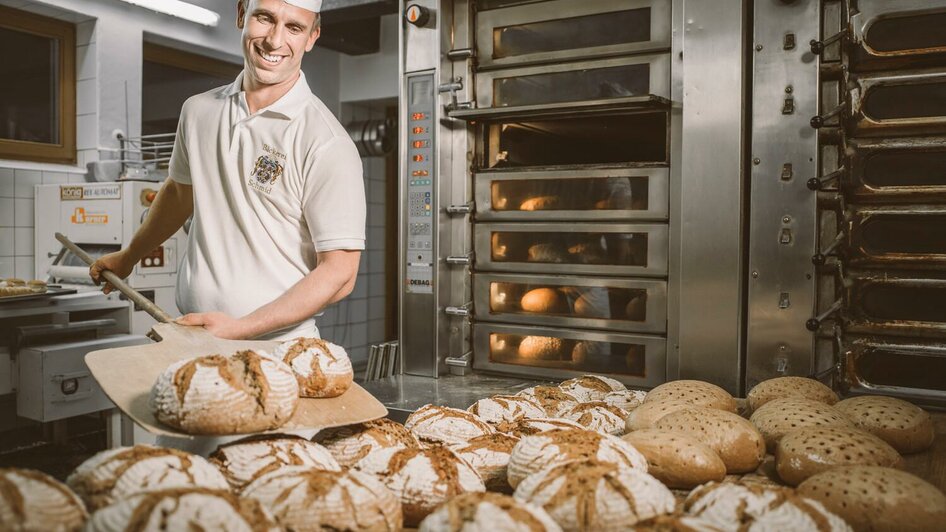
x: 452, y: 86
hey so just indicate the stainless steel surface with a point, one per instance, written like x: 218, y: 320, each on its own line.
x: 896, y: 169
x: 911, y: 370
x: 653, y: 309
x: 657, y: 202
x: 565, y: 109
x: 870, y: 12
x: 488, y: 21
x: 897, y: 305
x: 712, y: 193
x: 912, y: 236
x: 900, y: 103
x: 782, y: 225
x: 146, y: 304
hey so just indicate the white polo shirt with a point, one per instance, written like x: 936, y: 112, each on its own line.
x: 271, y: 189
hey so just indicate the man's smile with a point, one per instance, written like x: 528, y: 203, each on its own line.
x: 268, y: 58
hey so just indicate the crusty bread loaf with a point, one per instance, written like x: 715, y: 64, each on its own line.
x: 591, y: 387
x: 114, y: 474
x: 540, y: 203
x: 183, y: 509
x: 243, y: 461
x: 489, y: 456
x: 548, y: 253
x: 626, y: 400
x: 544, y: 449
x: 543, y: 348
x: 322, y: 368
x: 597, y: 416
x: 351, y: 443
x: 442, y: 424
x: 734, y: 439
x: 31, y: 500
x: 878, y: 498
x: 647, y: 415
x: 502, y: 410
x: 588, y: 352
x: 528, y: 427
x: 781, y: 416
x: 302, y: 499
x: 422, y: 479
x: 244, y: 393
x: 588, y: 306
x: 782, y: 387
x: 697, y: 393
x: 487, y: 512
x: 595, y: 495
x: 543, y: 301
x: 636, y: 309
x: 552, y: 398
x: 677, y: 459
x: 806, y: 452
x: 676, y: 523
x: 905, y: 426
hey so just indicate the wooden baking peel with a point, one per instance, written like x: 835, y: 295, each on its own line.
x: 126, y: 374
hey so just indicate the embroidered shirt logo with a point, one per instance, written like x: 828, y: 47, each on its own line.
x: 267, y: 171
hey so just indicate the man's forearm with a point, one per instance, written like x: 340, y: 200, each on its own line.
x: 170, y: 209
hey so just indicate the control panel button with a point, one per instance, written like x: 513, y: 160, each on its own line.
x: 417, y: 15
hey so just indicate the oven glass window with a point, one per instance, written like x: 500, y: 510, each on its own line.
x: 589, y: 31
x: 882, y: 301
x: 914, y: 235
x: 615, y: 249
x: 894, y: 367
x: 599, y: 302
x: 563, y: 353
x: 906, y: 168
x: 483, y: 5
x: 908, y: 33
x: 612, y: 139
x: 574, y: 85
x: 585, y: 194
x: 915, y: 100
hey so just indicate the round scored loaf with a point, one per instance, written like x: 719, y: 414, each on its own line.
x: 351, y: 443
x: 30, y: 500
x: 502, y: 410
x: 442, y: 424
x: 676, y: 523
x: 322, y: 369
x: 648, y: 414
x: 591, y: 387
x: 697, y: 393
x: 778, y: 417
x: 591, y: 306
x: 626, y: 400
x: 593, y: 495
x: 735, y: 440
x: 183, y: 509
x: 246, y: 392
x: 114, y: 474
x: 878, y: 498
x: 304, y: 499
x: 905, y: 426
x: 782, y: 387
x: 529, y: 427
x: 677, y: 459
x: 543, y: 348
x: 806, y: 452
x: 489, y: 455
x: 488, y: 512
x: 243, y: 461
x: 551, y: 398
x: 558, y: 446
x: 422, y: 479
x: 543, y: 301
x: 598, y: 416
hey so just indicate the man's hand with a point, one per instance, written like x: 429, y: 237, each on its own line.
x: 219, y: 324
x: 118, y: 263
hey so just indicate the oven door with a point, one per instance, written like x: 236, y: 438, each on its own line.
x: 899, y: 305
x: 908, y: 236
x: 618, y: 194
x: 580, y: 248
x: 908, y: 31
x: 562, y: 30
x: 903, y: 103
x: 909, y: 169
x: 908, y: 369
x: 632, y: 305
x: 556, y: 353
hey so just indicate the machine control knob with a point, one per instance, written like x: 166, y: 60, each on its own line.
x: 417, y: 15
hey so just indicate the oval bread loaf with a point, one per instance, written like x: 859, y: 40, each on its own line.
x: 543, y: 301
x: 905, y: 426
x: 677, y: 459
x: 777, y: 418
x: 697, y: 393
x: 734, y: 439
x: 782, y: 387
x: 806, y: 452
x: 442, y: 424
x: 647, y: 415
x: 543, y: 348
x: 878, y: 498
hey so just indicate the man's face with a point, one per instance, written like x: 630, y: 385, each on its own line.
x: 275, y: 37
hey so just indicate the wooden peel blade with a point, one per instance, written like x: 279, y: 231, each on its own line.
x: 126, y: 374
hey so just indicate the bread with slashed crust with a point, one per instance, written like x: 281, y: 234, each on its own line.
x: 322, y: 368
x: 31, y: 500
x: 489, y: 455
x: 552, y: 398
x: 243, y: 461
x: 598, y: 416
x: 591, y: 387
x: 503, y: 410
x: 488, y: 512
x: 351, y: 443
x: 442, y: 424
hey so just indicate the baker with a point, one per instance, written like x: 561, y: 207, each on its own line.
x: 274, y: 184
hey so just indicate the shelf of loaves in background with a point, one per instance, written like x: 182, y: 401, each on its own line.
x: 12, y: 286
x: 585, y: 455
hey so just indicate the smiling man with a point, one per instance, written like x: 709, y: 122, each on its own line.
x: 275, y: 187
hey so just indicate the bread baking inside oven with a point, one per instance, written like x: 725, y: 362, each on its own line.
x: 544, y: 301
x: 541, y: 203
x: 543, y: 348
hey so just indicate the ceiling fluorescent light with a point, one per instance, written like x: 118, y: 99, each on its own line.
x: 177, y: 8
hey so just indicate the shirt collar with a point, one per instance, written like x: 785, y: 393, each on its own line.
x: 289, y: 106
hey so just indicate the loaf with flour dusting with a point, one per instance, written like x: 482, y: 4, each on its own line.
x: 30, y: 500
x: 488, y: 512
x: 350, y: 443
x: 322, y: 368
x: 245, y: 460
x: 442, y: 424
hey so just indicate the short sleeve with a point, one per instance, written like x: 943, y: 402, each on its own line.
x: 333, y: 201
x: 179, y: 167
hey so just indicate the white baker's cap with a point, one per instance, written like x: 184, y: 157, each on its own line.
x: 311, y: 5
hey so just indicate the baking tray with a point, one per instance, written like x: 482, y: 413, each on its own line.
x: 51, y: 291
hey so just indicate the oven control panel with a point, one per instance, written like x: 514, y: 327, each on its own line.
x: 420, y: 178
